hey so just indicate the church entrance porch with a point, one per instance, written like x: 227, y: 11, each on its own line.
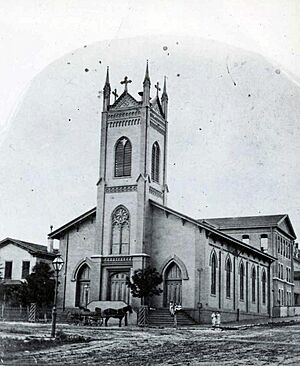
x: 173, y: 285
x: 118, y: 290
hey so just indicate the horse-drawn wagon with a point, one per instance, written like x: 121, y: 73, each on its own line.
x: 83, y: 316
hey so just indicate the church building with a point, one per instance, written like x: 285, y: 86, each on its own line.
x: 204, y: 268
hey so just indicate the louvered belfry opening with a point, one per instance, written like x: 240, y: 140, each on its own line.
x: 155, y: 163
x: 123, y: 158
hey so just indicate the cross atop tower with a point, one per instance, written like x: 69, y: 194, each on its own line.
x: 126, y: 81
x: 157, y: 87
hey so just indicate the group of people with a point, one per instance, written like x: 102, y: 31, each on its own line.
x: 215, y: 319
x: 215, y: 316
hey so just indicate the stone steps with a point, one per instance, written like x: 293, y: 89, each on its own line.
x: 162, y: 317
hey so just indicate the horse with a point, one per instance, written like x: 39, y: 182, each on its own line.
x: 116, y: 313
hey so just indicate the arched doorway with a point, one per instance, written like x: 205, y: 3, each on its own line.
x: 173, y: 284
x: 83, y: 286
x: 118, y: 288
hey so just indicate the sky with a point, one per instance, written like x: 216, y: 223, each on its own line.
x: 36, y: 36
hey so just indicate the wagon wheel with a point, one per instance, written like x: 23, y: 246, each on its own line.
x: 100, y: 321
x: 70, y: 317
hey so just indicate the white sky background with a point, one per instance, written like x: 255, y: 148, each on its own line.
x: 35, y: 33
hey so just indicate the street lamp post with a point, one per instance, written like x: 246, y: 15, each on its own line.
x: 57, y: 265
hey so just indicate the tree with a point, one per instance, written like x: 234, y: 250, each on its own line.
x: 38, y: 287
x: 144, y: 283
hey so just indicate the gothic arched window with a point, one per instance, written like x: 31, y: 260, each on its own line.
x: 83, y: 283
x: 120, y: 231
x: 228, y: 269
x: 242, y: 281
x: 213, y: 276
x: 123, y: 158
x: 253, y: 278
x: 263, y: 280
x: 155, y: 162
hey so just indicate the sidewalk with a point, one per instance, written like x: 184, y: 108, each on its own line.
x: 260, y: 322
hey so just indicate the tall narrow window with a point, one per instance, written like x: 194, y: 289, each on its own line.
x: 155, y: 162
x: 253, y: 275
x: 264, y: 242
x: 242, y: 276
x: 213, y: 281
x: 263, y: 281
x: 25, y: 269
x: 123, y: 158
x: 8, y: 270
x: 279, y: 297
x: 228, y: 269
x: 120, y: 231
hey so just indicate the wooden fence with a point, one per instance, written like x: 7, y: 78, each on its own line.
x: 25, y: 313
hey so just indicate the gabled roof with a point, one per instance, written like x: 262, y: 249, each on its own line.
x: 244, y: 222
x: 32, y: 248
x: 125, y: 101
x: 156, y: 106
x: 56, y: 234
x: 214, y: 231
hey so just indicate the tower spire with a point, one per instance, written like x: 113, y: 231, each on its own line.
x: 107, y: 76
x: 146, y: 87
x: 106, y: 92
x: 165, y: 98
x: 165, y: 87
x: 147, y: 77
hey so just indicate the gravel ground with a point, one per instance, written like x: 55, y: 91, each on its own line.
x: 268, y: 345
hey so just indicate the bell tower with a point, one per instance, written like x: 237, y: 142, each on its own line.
x: 133, y: 160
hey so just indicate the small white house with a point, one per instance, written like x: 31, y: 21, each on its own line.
x: 17, y: 259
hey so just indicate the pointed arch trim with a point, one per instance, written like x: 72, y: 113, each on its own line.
x: 228, y: 263
x: 79, y: 264
x: 180, y: 264
x: 242, y: 265
x: 213, y: 253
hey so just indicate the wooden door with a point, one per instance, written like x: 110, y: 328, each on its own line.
x: 173, y: 285
x: 118, y: 288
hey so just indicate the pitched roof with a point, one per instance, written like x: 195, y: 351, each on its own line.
x: 204, y: 225
x: 32, y: 248
x: 125, y: 100
x: 71, y: 224
x: 223, y: 223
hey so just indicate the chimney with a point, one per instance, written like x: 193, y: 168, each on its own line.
x: 50, y: 245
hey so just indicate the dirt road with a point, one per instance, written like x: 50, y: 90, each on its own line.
x: 255, y: 346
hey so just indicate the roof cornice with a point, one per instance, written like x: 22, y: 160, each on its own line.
x: 218, y: 233
x: 58, y: 232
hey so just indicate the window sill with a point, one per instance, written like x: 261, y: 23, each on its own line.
x: 124, y: 177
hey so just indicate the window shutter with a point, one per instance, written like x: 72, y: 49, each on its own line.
x: 155, y: 162
x: 127, y: 159
x: 123, y: 158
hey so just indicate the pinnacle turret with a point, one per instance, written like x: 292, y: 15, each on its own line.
x: 165, y: 98
x: 146, y: 87
x: 106, y: 91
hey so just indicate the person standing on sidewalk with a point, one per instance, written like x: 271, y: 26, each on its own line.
x: 218, y: 319
x: 213, y: 320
